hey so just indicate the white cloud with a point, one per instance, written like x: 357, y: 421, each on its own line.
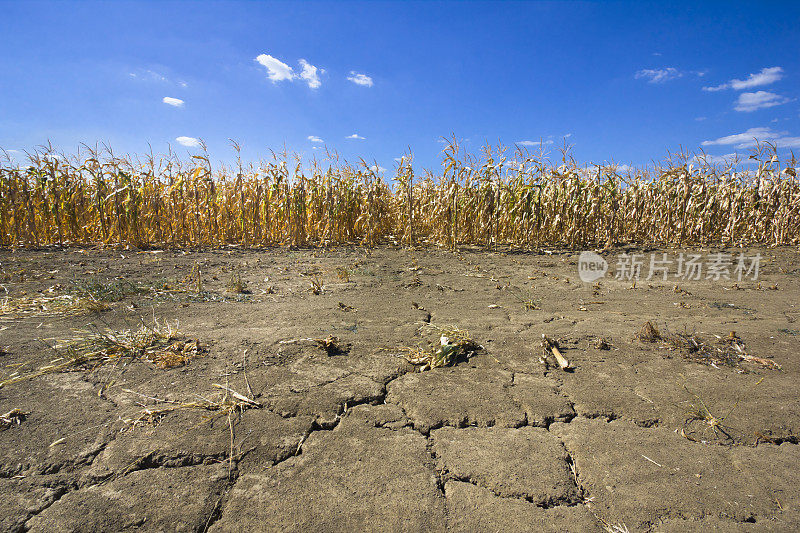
x: 148, y: 75
x: 175, y: 102
x: 765, y: 77
x: 354, y: 136
x: 535, y: 143
x: 788, y: 142
x: 716, y: 88
x: 310, y: 74
x: 708, y: 158
x: 377, y: 168
x: 314, y: 139
x: 744, y: 140
x: 152, y: 76
x: 277, y: 70
x: 700, y: 119
x: 724, y: 158
x: 659, y: 75
x: 749, y: 137
x: 592, y: 169
x: 360, y: 79
x: 758, y: 100
x: 189, y: 142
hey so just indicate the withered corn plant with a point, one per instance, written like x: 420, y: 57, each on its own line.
x: 497, y: 196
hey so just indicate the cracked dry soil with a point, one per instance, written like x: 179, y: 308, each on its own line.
x: 360, y: 441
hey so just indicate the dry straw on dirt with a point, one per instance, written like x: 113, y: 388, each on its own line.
x: 648, y: 333
x: 45, y: 306
x: 497, y: 196
x: 453, y: 342
x: 12, y: 418
x: 714, y: 350
x: 159, y: 344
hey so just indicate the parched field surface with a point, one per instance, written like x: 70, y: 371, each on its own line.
x: 244, y: 414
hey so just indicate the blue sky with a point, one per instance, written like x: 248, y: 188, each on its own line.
x: 620, y: 81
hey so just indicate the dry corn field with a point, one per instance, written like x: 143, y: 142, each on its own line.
x: 498, y: 196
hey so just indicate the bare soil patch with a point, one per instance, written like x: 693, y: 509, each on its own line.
x: 285, y: 389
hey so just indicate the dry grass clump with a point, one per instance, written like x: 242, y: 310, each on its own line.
x: 48, y: 306
x: 720, y: 351
x: 332, y: 345
x: 700, y: 420
x: 456, y: 336
x: 158, y: 344
x: 14, y: 417
x: 343, y: 274
x: 228, y: 403
x: 225, y: 403
x: 600, y: 343
x: 527, y: 301
x: 430, y: 359
x: 317, y: 286
x: 648, y: 333
x: 453, y: 342
x: 714, y: 350
x: 108, y: 291
x: 179, y: 353
x: 236, y: 285
x: 496, y: 196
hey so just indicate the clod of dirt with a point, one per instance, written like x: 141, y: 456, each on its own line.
x: 648, y: 333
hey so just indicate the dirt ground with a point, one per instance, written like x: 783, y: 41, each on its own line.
x: 689, y: 428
